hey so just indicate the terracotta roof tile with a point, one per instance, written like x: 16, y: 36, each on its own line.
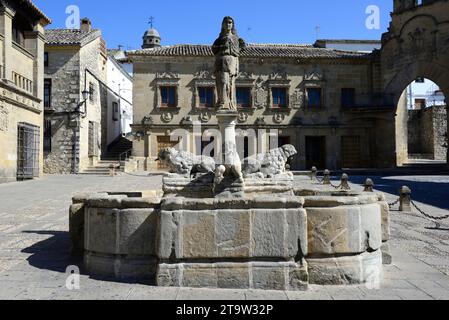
x: 252, y: 51
x: 70, y: 36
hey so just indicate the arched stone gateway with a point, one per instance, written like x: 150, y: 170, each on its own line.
x: 416, y: 45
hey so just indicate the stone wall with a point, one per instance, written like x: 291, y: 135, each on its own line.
x: 70, y: 132
x: 64, y: 72
x: 426, y: 132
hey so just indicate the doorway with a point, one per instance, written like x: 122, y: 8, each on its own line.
x: 316, y: 152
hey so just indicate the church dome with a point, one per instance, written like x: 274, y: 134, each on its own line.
x: 151, y: 39
x: 152, y: 33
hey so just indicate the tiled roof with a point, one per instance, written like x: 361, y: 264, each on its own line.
x: 70, y: 36
x: 37, y: 10
x: 252, y: 51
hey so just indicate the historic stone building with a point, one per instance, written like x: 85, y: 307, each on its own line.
x: 320, y: 100
x: 341, y: 109
x: 74, y: 96
x: 21, y: 89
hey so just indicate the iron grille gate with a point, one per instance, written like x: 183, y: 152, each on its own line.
x: 28, y: 138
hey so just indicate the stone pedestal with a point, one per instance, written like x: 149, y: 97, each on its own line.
x: 248, y: 242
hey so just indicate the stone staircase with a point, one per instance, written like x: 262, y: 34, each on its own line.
x: 115, y: 155
x: 102, y: 168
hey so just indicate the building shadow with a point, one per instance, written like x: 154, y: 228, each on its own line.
x: 53, y: 254
x: 427, y: 192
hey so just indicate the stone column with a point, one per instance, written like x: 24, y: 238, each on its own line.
x: 227, y: 123
x: 6, y: 15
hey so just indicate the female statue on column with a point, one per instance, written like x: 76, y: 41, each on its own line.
x: 227, y: 49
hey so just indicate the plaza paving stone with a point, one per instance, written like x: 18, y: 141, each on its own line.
x: 34, y: 244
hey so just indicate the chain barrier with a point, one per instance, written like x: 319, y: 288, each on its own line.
x: 428, y: 215
x: 392, y: 204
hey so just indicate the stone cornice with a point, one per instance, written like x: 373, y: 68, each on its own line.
x: 19, y: 98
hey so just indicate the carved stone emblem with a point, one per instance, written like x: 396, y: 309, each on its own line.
x: 279, y: 117
x: 205, y: 116
x: 3, y: 119
x: 147, y: 120
x: 261, y: 94
x: 297, y: 99
x: 167, y: 117
x: 243, y: 117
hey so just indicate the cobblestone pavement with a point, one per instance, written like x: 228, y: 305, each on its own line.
x: 34, y: 245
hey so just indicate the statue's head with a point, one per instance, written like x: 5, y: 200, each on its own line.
x: 289, y: 150
x: 228, y: 25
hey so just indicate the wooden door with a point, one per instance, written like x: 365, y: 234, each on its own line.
x: 350, y: 152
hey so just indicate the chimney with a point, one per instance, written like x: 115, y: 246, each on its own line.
x: 86, y: 25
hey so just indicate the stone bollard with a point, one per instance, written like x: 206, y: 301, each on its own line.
x: 345, y: 182
x: 313, y: 173
x: 111, y: 170
x: 369, y: 185
x: 405, y: 199
x: 327, y: 177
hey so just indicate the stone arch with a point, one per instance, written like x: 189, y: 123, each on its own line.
x: 415, y: 45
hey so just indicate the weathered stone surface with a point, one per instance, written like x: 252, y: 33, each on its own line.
x: 324, y: 201
x: 385, y: 214
x: 253, y: 275
x: 121, y: 267
x: 344, y: 230
x: 76, y: 228
x: 232, y: 233
x: 362, y: 268
x: 114, y: 231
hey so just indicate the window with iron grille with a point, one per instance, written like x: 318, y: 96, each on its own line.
x: 47, y: 93
x: 91, y: 92
x: 314, y: 98
x: 207, y: 97
x: 168, y: 96
x: 243, y: 97
x: 93, y: 139
x: 47, y: 136
x: 115, y: 111
x: 28, y: 137
x: 279, y: 97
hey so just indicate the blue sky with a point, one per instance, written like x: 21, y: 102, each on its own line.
x: 198, y: 21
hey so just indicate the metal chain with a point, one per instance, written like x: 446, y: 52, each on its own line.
x: 427, y: 215
x: 336, y: 187
x: 394, y: 203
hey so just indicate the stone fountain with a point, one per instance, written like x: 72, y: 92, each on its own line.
x: 234, y: 224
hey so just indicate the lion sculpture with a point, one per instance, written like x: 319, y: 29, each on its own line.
x: 270, y: 163
x: 185, y: 163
